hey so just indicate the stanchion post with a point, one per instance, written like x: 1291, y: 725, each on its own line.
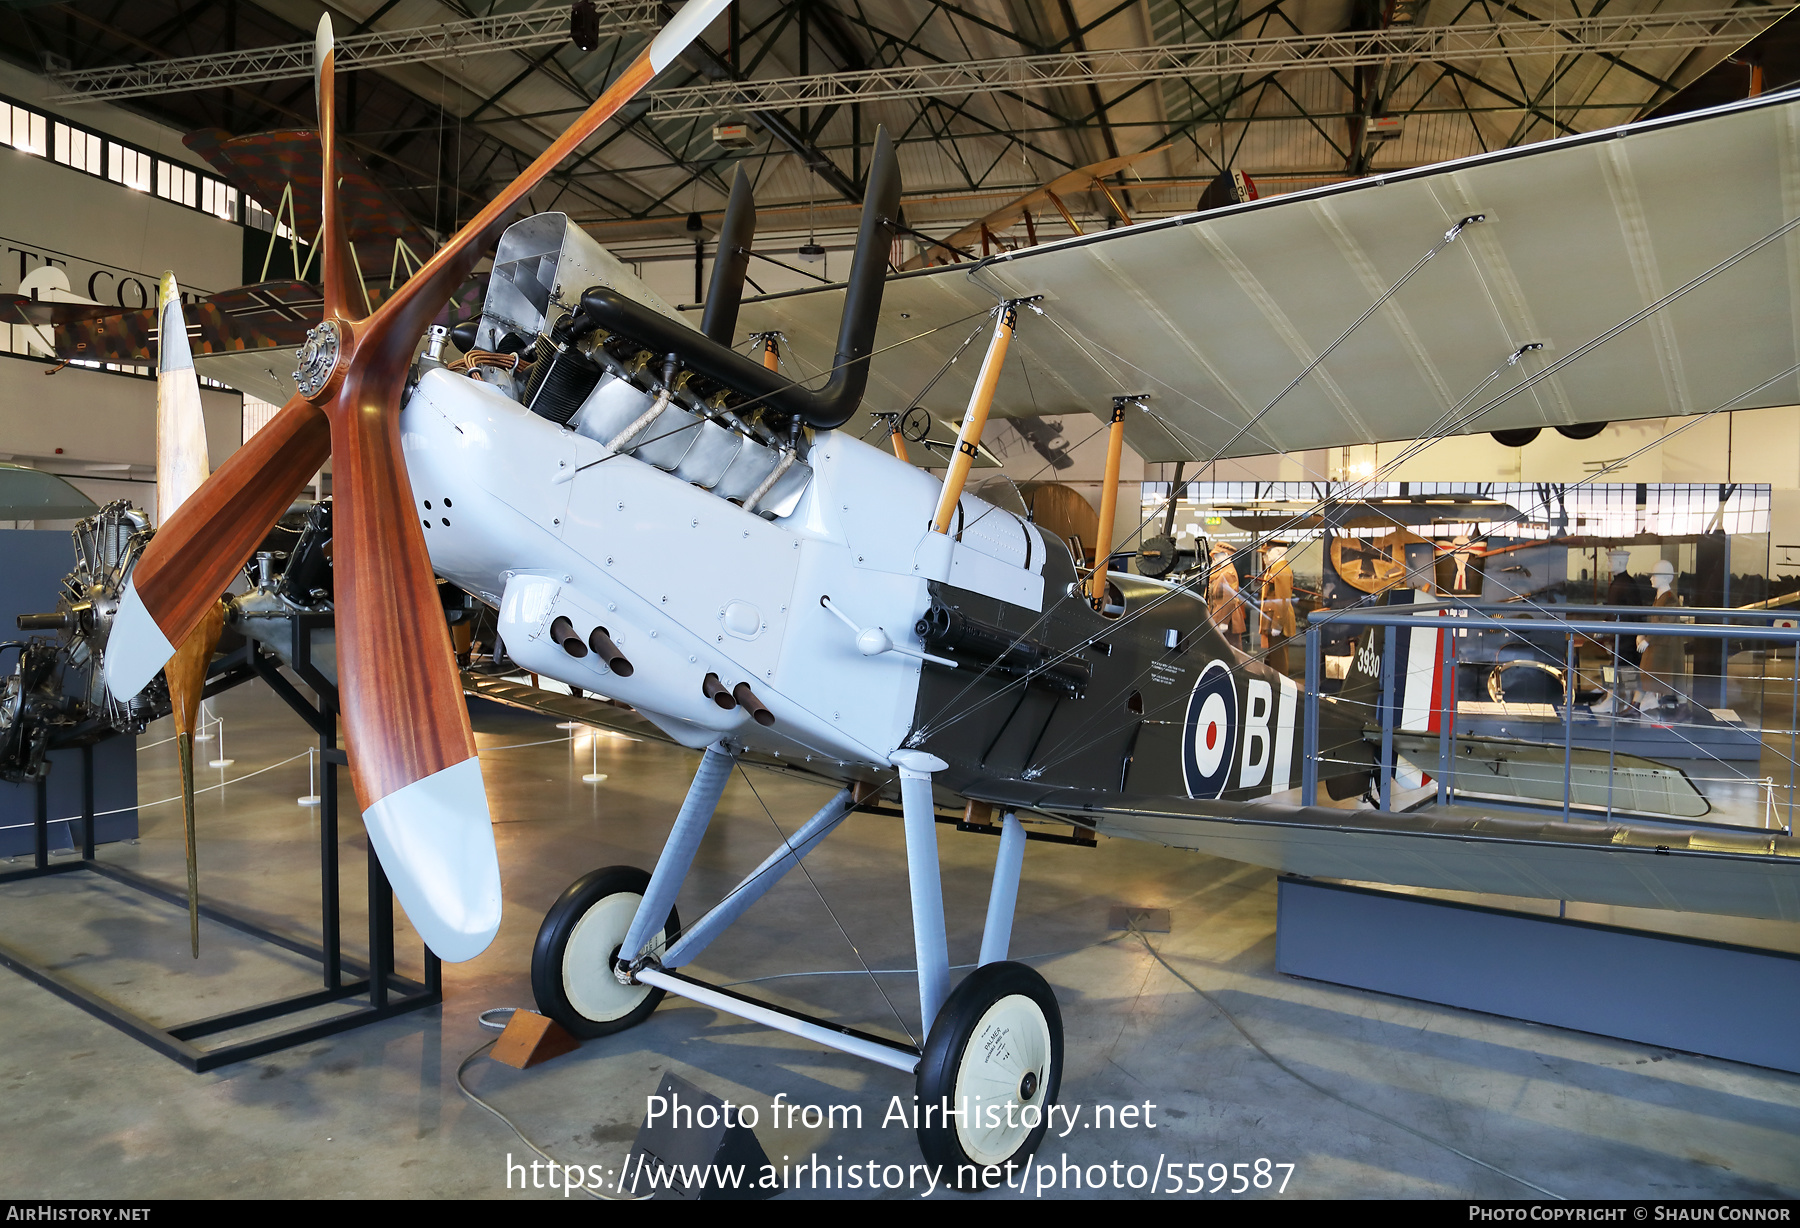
x: 381, y: 932
x: 1388, y: 638
x: 40, y: 827
x: 1446, y: 708
x: 87, y: 803
x: 1309, y: 735
x: 330, y: 938
x: 1568, y: 721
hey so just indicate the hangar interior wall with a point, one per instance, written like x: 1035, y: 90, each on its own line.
x: 111, y: 243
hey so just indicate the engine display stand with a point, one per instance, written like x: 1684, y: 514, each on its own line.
x: 387, y: 993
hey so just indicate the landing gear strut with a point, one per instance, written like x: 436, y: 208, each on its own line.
x: 992, y: 1061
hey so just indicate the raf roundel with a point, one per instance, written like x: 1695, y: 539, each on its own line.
x: 1210, y: 731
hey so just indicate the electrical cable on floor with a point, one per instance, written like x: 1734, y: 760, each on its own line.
x: 100, y: 814
x: 164, y: 801
x: 511, y: 1125
x: 1132, y: 932
x: 1325, y: 1091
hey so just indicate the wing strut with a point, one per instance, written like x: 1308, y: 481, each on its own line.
x: 981, y: 399
x: 1109, y: 499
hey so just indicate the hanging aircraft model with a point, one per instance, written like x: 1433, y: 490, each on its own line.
x: 245, y: 336
x: 658, y: 519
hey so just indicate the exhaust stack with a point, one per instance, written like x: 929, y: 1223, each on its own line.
x: 834, y: 404
x: 713, y: 689
x: 563, y: 632
x: 747, y: 700
x: 731, y: 264
x: 609, y: 653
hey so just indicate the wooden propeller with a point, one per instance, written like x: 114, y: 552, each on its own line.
x: 181, y: 469
x: 412, y: 754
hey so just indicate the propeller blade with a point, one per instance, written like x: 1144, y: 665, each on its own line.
x: 406, y: 725
x: 336, y: 265
x: 186, y: 672
x: 181, y: 461
x: 181, y: 469
x: 405, y: 721
x: 404, y: 315
x: 200, y: 548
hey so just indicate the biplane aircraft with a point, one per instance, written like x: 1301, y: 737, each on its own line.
x: 662, y: 520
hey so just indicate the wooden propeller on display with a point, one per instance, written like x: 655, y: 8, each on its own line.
x: 406, y: 727
x: 181, y: 468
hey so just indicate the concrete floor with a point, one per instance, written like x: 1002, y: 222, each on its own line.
x: 376, y: 1112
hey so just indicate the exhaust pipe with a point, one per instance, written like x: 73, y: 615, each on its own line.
x: 563, y: 632
x: 713, y: 689
x: 609, y: 653
x: 731, y: 264
x: 829, y: 407
x: 747, y: 700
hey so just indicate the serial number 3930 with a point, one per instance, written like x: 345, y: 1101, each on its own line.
x: 1240, y: 1178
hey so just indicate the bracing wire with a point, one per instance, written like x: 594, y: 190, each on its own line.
x: 1451, y: 421
x: 1052, y: 758
x: 851, y: 942
x: 1449, y: 238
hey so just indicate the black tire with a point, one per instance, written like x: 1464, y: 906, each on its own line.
x: 583, y: 998
x: 989, y: 999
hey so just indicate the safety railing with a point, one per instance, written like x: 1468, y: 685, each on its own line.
x: 1707, y: 687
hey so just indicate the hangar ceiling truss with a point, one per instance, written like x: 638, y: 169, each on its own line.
x: 986, y: 99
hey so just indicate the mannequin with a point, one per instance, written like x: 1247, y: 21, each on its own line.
x: 1277, y: 605
x: 1222, y: 585
x: 1661, y: 655
x: 1623, y: 590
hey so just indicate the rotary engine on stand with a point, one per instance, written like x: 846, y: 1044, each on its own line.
x: 56, y: 695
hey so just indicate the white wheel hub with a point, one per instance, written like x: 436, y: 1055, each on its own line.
x: 587, y: 974
x: 1007, y: 1061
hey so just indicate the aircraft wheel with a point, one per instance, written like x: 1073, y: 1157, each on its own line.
x: 997, y: 1040
x: 572, y: 961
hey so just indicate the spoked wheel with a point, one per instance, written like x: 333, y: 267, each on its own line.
x: 572, y: 962
x: 997, y: 1041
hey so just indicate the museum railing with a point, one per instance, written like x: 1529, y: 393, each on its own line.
x: 1670, y: 714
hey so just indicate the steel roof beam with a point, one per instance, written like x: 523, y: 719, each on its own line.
x: 1484, y: 42
x: 374, y: 49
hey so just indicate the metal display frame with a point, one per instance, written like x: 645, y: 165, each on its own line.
x: 344, y: 978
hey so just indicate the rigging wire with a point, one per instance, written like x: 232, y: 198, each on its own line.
x: 1456, y: 423
x: 800, y: 863
x: 1449, y: 238
x: 1451, y: 421
x: 1526, y: 603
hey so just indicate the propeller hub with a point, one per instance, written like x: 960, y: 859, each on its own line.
x: 318, y: 358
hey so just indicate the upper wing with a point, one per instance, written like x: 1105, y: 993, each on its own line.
x: 1214, y: 314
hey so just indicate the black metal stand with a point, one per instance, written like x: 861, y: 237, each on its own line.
x: 388, y: 994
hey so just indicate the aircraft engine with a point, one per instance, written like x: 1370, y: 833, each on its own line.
x: 56, y: 695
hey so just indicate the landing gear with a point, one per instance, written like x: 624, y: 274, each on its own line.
x: 995, y: 1052
x: 572, y: 961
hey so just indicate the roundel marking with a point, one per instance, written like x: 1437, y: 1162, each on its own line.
x: 1209, y: 736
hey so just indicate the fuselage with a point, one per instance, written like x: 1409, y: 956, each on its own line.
x: 701, y: 597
